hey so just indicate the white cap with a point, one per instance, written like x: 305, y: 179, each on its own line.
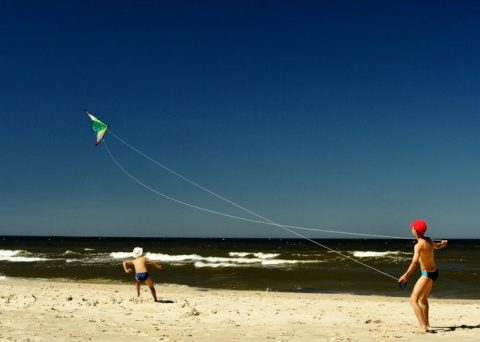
x: 137, y: 252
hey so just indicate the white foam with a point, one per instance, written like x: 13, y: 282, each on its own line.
x: 174, y: 258
x: 121, y: 255
x: 18, y: 256
x: 9, y: 253
x: 200, y: 264
x: 257, y: 255
x: 371, y: 254
x: 239, y: 254
x: 266, y: 255
x: 235, y: 259
x: 22, y: 259
x: 244, y: 262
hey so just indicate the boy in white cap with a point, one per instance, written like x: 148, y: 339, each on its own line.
x: 423, y: 254
x: 141, y: 274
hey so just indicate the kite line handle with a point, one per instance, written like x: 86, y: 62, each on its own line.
x: 402, y: 285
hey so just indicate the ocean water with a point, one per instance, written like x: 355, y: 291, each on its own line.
x: 365, y: 266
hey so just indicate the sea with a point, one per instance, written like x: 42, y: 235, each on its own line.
x: 333, y: 266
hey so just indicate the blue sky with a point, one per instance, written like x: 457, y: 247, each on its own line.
x: 356, y: 116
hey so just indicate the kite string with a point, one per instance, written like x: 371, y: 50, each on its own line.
x: 223, y: 214
x: 236, y: 217
x: 230, y: 202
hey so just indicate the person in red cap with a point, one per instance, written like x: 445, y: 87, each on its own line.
x: 423, y: 254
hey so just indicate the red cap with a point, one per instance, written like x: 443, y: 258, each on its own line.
x: 420, y: 226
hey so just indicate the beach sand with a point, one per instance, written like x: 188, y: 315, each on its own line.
x: 36, y: 310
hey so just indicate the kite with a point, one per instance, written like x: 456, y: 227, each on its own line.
x: 98, y: 127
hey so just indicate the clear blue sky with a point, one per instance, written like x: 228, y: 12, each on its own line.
x: 357, y: 116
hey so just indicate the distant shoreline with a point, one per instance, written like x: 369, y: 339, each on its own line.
x: 405, y: 296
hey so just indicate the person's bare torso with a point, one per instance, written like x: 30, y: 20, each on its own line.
x: 140, y: 264
x: 427, y: 261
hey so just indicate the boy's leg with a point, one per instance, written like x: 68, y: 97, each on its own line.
x: 420, y: 292
x: 424, y: 302
x: 138, y: 287
x: 149, y: 282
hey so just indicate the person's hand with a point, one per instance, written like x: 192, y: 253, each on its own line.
x: 128, y: 270
x: 403, y: 279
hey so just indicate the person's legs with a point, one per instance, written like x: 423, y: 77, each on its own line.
x: 420, y: 293
x: 424, y: 302
x: 138, y: 287
x: 149, y: 282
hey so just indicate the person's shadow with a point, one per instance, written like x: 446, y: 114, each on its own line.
x: 165, y: 301
x: 453, y: 328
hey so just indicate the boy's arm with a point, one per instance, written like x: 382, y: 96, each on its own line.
x: 440, y: 245
x: 413, y: 265
x: 125, y: 264
x: 160, y: 267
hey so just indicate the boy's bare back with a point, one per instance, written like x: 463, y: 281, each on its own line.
x: 140, y: 264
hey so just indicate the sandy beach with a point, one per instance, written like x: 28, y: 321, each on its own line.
x: 36, y: 310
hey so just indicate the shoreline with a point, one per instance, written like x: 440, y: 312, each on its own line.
x: 404, y: 296
x: 46, y: 310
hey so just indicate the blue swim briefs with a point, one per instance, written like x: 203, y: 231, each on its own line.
x: 141, y: 276
x: 431, y: 275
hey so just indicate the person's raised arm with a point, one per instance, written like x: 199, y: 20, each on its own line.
x: 440, y: 245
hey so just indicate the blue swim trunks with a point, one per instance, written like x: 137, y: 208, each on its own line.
x: 141, y: 276
x: 431, y: 275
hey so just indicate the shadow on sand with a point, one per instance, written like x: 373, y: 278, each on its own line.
x: 447, y: 329
x: 165, y: 301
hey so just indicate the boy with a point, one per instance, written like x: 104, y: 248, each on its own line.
x: 423, y: 253
x: 141, y: 274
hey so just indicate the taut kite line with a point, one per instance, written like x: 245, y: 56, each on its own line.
x: 100, y: 128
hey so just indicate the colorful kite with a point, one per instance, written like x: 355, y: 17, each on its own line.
x: 98, y: 127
